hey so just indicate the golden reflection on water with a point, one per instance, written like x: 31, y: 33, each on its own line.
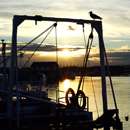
x: 93, y: 85
x: 87, y: 89
x: 66, y: 84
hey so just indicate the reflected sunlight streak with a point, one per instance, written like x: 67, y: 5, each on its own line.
x: 66, y: 84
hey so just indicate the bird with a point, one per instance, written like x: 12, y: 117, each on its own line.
x: 94, y: 16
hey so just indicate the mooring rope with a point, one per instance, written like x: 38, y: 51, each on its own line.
x: 86, y: 58
x: 28, y: 43
x: 37, y: 48
x: 94, y: 93
x: 56, y: 42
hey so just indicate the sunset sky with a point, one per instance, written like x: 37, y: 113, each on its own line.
x: 70, y: 40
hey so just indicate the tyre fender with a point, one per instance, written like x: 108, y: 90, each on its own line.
x: 84, y: 98
x: 69, y: 90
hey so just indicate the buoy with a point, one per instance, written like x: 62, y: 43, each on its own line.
x: 80, y: 94
x: 67, y: 98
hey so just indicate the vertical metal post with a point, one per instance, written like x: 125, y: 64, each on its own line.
x: 47, y: 92
x: 40, y: 89
x: 102, y: 63
x: 16, y: 22
x: 17, y: 90
x: 12, y: 63
x: 117, y: 115
x: 56, y: 96
x: 87, y: 104
x: 4, y: 63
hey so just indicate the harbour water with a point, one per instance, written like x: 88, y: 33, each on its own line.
x: 92, y: 85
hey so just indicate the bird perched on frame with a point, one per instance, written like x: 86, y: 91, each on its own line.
x: 94, y: 16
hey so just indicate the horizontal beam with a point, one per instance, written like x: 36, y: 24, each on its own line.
x: 40, y: 18
x: 30, y: 97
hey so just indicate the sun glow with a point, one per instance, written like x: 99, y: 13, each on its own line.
x: 66, y: 52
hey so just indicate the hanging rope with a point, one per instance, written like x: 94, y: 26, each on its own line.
x: 5, y: 60
x: 85, y: 46
x: 84, y: 35
x: 36, y: 37
x: 85, y: 63
x: 90, y: 39
x: 29, y: 42
x: 37, y: 48
x: 117, y: 115
x: 94, y: 94
x: 85, y: 60
x: 56, y: 42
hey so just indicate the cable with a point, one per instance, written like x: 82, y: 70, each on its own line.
x: 86, y: 58
x: 56, y: 42
x: 5, y: 60
x: 94, y: 94
x: 84, y: 35
x: 36, y: 37
x: 87, y: 48
x: 29, y: 42
x: 37, y: 48
x: 113, y: 94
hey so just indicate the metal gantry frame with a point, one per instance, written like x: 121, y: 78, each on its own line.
x: 17, y: 20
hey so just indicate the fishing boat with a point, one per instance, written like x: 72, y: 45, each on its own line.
x: 50, y: 114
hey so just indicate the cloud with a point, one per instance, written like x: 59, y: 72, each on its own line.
x: 6, y: 15
x: 49, y: 48
x: 119, y: 49
x: 115, y: 23
x: 44, y: 47
x: 117, y: 40
x: 117, y: 58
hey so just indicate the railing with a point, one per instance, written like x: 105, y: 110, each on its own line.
x: 57, y: 94
x: 25, y: 86
x: 61, y: 100
x: 56, y: 99
x: 87, y: 104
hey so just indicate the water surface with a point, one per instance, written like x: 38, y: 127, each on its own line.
x: 92, y: 85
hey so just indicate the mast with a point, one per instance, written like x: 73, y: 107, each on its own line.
x: 16, y: 23
x: 4, y: 63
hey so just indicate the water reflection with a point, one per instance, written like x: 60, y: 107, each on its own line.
x: 87, y: 89
x: 66, y: 84
x: 121, y: 87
